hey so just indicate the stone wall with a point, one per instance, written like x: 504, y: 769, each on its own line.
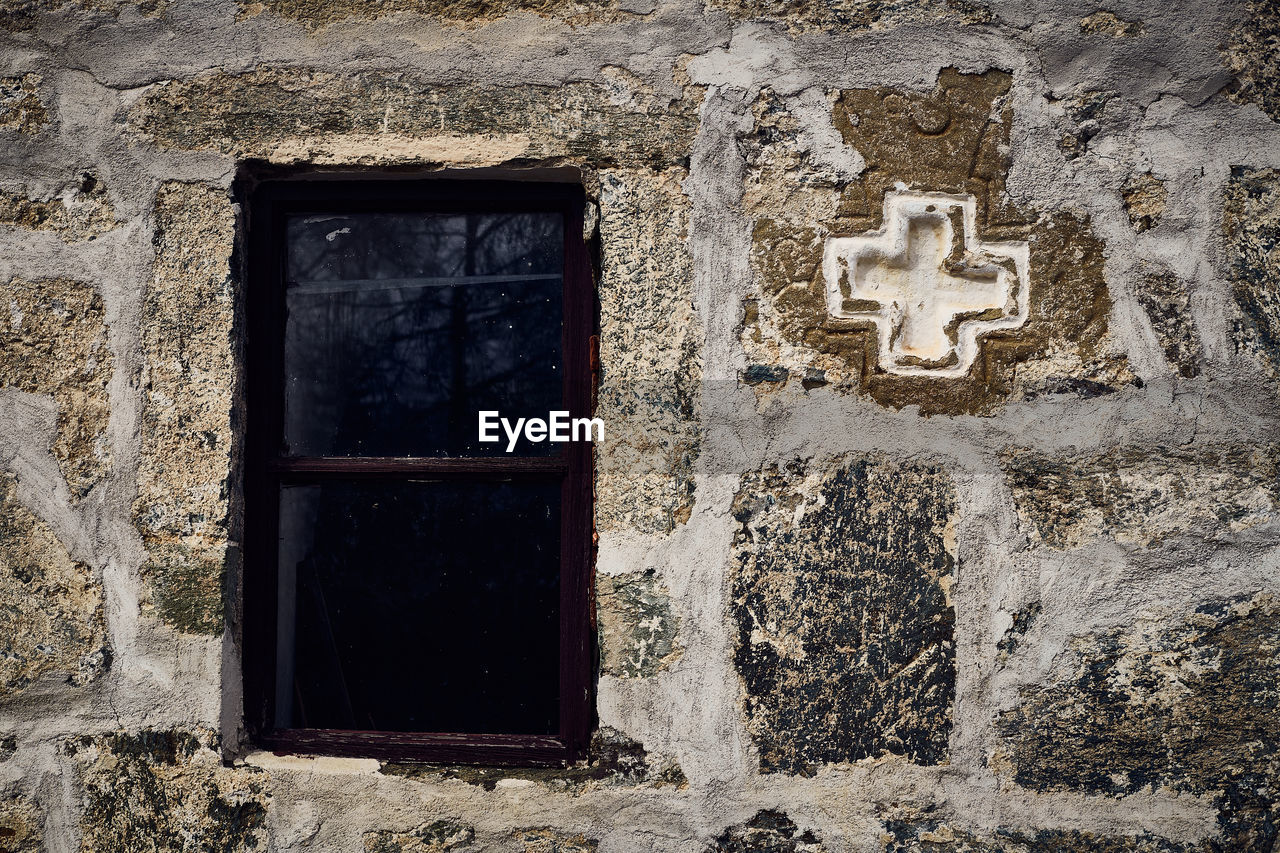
x: 870, y: 577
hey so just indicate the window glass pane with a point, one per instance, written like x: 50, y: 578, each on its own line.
x: 401, y: 327
x: 419, y: 607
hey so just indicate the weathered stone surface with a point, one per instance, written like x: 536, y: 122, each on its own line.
x: 1252, y: 52
x: 1251, y: 217
x: 547, y: 840
x: 1144, y: 200
x: 81, y: 212
x: 166, y: 791
x: 188, y: 381
x: 856, y: 14
x: 1139, y: 495
x: 20, y: 15
x: 321, y: 13
x: 1107, y: 23
x: 438, y: 836
x: 1189, y: 705
x: 51, y: 618
x: 613, y: 761
x: 1083, y: 117
x: 952, y: 140
x: 299, y: 115
x: 938, y: 837
x: 844, y: 623
x: 21, y: 825
x: 1165, y: 298
x: 21, y: 107
x: 637, y: 628
x: 768, y: 832
x: 650, y: 358
x: 53, y: 340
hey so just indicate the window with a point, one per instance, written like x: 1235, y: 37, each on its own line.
x: 410, y: 592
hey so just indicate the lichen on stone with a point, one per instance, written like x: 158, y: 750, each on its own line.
x: 53, y: 340
x: 1140, y: 496
x: 1165, y: 299
x: 1252, y: 52
x: 437, y: 836
x: 317, y: 14
x: 21, y: 107
x: 954, y: 139
x: 166, y: 790
x: 934, y: 836
x: 1188, y: 705
x: 292, y: 115
x: 769, y: 831
x: 51, y: 621
x: 21, y: 825
x: 844, y: 15
x: 548, y: 840
x: 82, y: 210
x: 1107, y: 23
x: 650, y: 354
x: 1144, y: 200
x: 1251, y: 219
x: 842, y: 612
x: 637, y: 628
x: 188, y: 382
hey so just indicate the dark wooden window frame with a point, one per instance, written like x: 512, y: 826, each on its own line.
x: 269, y: 203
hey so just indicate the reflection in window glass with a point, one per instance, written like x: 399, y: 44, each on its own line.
x: 401, y: 327
x: 419, y: 607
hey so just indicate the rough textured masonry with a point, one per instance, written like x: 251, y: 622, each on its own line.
x: 860, y: 586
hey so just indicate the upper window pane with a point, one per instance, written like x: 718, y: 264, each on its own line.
x: 402, y: 326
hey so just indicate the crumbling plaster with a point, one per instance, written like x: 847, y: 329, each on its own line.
x: 97, y: 65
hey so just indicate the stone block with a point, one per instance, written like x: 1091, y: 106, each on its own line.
x: 438, y: 836
x: 1252, y: 52
x: 846, y: 15
x: 184, y: 471
x: 933, y: 836
x: 840, y: 602
x: 317, y: 14
x: 1251, y: 219
x: 1185, y: 705
x: 51, y: 618
x: 768, y: 832
x: 21, y: 107
x: 21, y: 825
x: 53, y: 340
x: 1144, y: 197
x: 547, y: 840
x: 1140, y: 496
x: 1166, y: 300
x: 650, y: 354
x: 638, y: 631
x: 166, y: 790
x: 291, y: 115
x: 81, y: 211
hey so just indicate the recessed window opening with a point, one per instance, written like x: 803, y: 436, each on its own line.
x: 411, y: 591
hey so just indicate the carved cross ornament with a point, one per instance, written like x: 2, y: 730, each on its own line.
x: 926, y: 281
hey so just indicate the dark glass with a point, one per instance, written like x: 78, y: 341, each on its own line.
x: 419, y: 607
x: 401, y: 327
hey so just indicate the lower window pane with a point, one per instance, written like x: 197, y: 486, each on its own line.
x: 419, y: 607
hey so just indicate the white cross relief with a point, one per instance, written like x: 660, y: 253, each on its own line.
x: 929, y: 296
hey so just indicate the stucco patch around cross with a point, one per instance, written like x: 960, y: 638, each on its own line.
x: 928, y: 283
